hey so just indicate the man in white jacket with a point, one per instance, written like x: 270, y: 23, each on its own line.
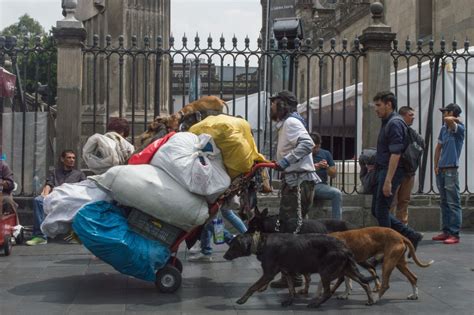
x: 295, y: 161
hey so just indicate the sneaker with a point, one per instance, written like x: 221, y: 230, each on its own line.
x: 451, y: 240
x: 440, y: 237
x: 195, y: 249
x: 200, y: 257
x: 36, y: 240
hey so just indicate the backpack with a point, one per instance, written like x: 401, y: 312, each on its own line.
x: 410, y: 158
x: 368, y: 175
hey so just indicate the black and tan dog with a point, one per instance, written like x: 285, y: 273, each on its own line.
x: 294, y: 253
x: 262, y: 222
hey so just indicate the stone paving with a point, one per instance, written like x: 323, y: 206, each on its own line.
x: 66, y: 279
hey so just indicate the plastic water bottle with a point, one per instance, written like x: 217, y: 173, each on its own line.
x: 218, y: 225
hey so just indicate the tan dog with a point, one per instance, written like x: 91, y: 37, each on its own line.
x: 160, y: 126
x: 375, y: 241
x: 205, y: 103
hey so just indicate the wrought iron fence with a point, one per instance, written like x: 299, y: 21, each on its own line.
x: 27, y: 128
x: 144, y: 79
x: 428, y: 76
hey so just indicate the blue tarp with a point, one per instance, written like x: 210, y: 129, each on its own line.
x: 103, y: 229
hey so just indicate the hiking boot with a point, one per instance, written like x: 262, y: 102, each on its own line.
x: 36, y: 240
x: 200, y: 257
x: 451, y: 240
x: 283, y: 284
x: 440, y: 237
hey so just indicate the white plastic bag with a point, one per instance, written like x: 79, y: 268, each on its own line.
x: 153, y: 191
x: 101, y: 152
x: 195, y: 162
x: 63, y: 203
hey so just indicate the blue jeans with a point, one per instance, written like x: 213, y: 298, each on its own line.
x: 381, y: 204
x: 207, y: 232
x: 451, y: 212
x: 38, y: 216
x: 326, y: 192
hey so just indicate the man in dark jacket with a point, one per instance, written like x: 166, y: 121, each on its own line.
x: 66, y: 173
x: 390, y: 145
x: 402, y: 196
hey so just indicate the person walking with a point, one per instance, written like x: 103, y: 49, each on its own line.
x: 390, y: 144
x: 295, y: 162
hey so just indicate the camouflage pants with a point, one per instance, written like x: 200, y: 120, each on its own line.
x: 289, y: 200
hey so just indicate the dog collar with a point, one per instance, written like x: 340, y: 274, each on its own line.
x: 255, y: 242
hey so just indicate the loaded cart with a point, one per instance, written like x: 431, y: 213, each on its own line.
x: 137, y: 244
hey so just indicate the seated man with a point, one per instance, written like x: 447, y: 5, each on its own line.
x: 6, y: 187
x: 65, y: 173
x: 324, y: 164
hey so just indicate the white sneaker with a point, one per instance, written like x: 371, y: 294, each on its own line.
x: 195, y: 249
x: 200, y: 257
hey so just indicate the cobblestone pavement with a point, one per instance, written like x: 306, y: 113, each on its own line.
x: 66, y: 279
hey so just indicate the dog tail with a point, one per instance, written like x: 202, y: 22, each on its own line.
x: 411, y: 249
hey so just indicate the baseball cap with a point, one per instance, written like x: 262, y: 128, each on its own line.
x: 452, y: 108
x: 285, y: 96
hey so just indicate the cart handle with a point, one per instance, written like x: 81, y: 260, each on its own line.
x: 258, y: 166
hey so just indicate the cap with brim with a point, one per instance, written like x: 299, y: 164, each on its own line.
x: 452, y: 108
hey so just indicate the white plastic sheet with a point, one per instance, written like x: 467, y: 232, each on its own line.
x: 63, y: 203
x: 195, y: 162
x: 153, y: 191
x: 101, y: 152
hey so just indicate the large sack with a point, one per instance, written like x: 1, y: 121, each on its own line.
x: 101, y: 152
x: 103, y: 229
x: 145, y: 156
x: 234, y: 138
x: 195, y: 162
x: 63, y: 203
x: 152, y: 191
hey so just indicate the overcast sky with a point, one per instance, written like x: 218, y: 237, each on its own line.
x: 239, y: 17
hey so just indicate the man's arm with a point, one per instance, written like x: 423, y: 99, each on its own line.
x: 436, y: 157
x: 392, y: 167
x: 7, y: 178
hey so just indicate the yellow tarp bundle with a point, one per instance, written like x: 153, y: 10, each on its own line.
x: 234, y: 138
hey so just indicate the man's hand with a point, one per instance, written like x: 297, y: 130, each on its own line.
x: 281, y: 165
x: 436, y: 169
x: 387, y: 189
x: 321, y: 164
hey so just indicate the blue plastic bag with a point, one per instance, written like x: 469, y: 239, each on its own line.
x: 103, y: 229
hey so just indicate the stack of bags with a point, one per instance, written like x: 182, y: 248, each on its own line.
x: 185, y: 172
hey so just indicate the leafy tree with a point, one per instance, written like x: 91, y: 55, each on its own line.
x: 35, y: 55
x: 26, y: 26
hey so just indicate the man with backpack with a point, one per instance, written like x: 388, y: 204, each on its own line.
x: 402, y: 196
x: 391, y: 143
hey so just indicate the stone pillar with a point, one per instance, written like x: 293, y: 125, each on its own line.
x: 376, y: 39
x: 69, y: 34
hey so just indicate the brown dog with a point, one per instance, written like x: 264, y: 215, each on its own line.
x: 205, y: 103
x: 374, y: 241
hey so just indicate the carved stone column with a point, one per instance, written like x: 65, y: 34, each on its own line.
x: 376, y: 39
x: 69, y: 34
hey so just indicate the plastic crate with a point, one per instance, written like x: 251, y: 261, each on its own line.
x: 153, y: 228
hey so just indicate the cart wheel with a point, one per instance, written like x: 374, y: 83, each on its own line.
x: 7, y: 245
x: 20, y: 238
x: 178, y: 264
x: 168, y: 279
